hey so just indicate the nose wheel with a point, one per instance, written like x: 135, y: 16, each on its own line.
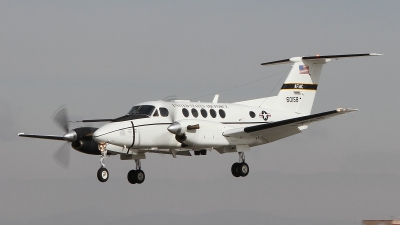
x: 136, y: 176
x: 102, y: 174
x: 240, y: 169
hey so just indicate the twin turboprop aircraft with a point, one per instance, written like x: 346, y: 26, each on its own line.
x: 179, y: 127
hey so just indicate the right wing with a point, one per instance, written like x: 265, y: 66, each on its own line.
x: 277, y: 130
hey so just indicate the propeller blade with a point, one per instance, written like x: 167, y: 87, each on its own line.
x: 60, y: 117
x: 62, y: 155
x: 170, y: 99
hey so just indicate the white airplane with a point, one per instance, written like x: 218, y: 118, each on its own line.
x: 178, y: 127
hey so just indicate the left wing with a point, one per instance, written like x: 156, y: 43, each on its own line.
x: 50, y: 137
x: 277, y: 130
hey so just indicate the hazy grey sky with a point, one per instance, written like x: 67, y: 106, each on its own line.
x: 100, y: 58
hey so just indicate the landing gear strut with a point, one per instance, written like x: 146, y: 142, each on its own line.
x: 240, y: 169
x: 136, y: 176
x: 102, y: 173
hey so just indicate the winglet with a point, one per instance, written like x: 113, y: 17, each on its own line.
x: 375, y: 54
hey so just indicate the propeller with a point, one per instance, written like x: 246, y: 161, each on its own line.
x: 60, y: 117
x: 62, y: 155
x: 169, y: 99
x: 80, y: 138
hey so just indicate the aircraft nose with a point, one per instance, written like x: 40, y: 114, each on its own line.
x: 103, y: 134
x: 97, y: 135
x: 113, y: 133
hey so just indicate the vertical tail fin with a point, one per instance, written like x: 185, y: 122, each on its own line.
x: 298, y: 91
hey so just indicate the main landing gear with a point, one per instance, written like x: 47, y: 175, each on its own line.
x: 136, y: 176
x: 240, y: 169
x: 102, y: 173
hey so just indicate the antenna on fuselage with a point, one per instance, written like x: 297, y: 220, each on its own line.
x: 215, y: 100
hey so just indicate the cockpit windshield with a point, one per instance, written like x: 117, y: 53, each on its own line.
x: 141, y: 109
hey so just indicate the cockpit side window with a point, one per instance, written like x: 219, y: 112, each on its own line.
x: 142, y: 109
x: 155, y: 113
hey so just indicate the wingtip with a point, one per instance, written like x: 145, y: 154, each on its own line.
x: 375, y: 54
x: 19, y: 134
x: 343, y: 110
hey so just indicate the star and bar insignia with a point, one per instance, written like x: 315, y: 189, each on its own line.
x: 265, y: 115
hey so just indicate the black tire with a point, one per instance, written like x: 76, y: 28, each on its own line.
x: 235, y: 170
x: 139, y: 176
x: 131, y: 176
x: 102, y: 174
x: 197, y: 153
x: 203, y: 152
x: 243, y: 169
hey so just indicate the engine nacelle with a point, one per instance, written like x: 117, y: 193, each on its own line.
x: 199, y: 133
x: 89, y: 147
x: 83, y: 141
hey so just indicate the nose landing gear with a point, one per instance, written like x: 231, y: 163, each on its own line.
x: 102, y: 173
x: 136, y: 176
x: 240, y: 169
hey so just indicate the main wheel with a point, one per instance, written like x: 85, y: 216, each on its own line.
x: 235, y: 170
x: 102, y: 174
x: 139, y: 176
x: 131, y: 176
x: 243, y: 169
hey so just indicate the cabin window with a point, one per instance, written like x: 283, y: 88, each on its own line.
x: 222, y: 113
x: 155, y: 113
x: 213, y: 113
x: 203, y: 113
x: 185, y: 112
x: 164, y: 112
x: 195, y: 113
x: 252, y: 114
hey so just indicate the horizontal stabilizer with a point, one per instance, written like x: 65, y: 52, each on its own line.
x: 317, y: 57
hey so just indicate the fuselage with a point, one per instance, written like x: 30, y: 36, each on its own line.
x: 147, y: 127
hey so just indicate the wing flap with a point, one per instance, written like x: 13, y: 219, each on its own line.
x: 181, y: 153
x: 275, y: 134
